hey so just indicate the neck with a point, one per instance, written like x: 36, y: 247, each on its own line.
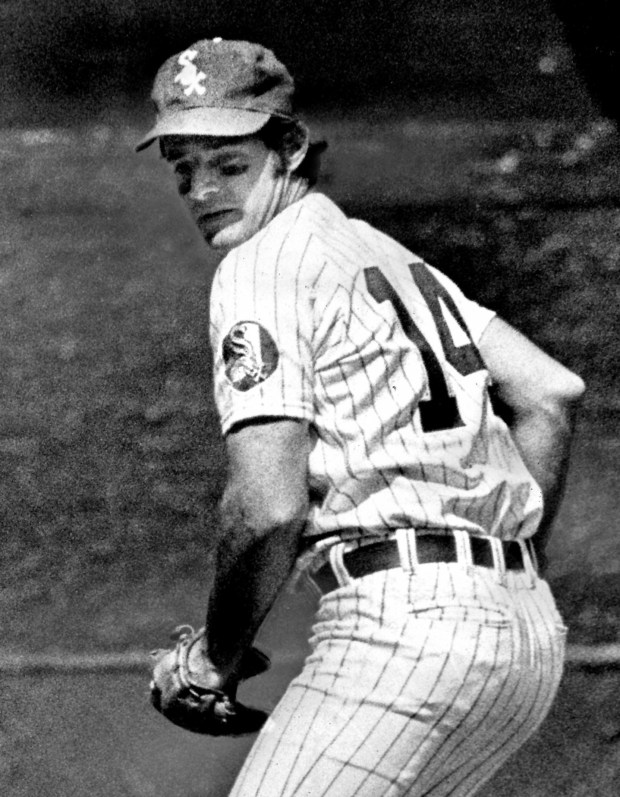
x: 291, y: 188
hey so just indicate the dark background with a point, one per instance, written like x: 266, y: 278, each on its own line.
x: 78, y: 60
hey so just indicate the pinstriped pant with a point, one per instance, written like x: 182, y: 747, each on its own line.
x: 418, y: 684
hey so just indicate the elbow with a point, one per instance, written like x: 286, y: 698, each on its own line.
x: 246, y: 521
x: 281, y: 519
x: 556, y: 388
x: 562, y: 400
x: 557, y: 401
x: 570, y: 391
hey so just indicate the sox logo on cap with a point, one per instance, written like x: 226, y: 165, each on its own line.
x: 189, y: 76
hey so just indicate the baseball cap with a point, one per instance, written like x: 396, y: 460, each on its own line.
x: 219, y: 88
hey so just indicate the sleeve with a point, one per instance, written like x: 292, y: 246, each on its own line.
x: 261, y: 336
x: 476, y: 317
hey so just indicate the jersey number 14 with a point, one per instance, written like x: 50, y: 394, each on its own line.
x: 441, y: 410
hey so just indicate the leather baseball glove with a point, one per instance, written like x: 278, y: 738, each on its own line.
x: 187, y: 688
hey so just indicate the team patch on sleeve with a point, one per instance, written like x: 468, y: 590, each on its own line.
x: 250, y: 355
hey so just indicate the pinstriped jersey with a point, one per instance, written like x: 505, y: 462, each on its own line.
x: 323, y: 318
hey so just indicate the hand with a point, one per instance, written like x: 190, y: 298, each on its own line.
x: 188, y: 689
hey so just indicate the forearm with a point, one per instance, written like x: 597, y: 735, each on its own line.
x: 544, y: 440
x: 250, y: 571
x: 538, y: 397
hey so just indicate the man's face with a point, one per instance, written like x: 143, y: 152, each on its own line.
x: 230, y: 186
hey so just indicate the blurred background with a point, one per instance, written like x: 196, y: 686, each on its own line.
x: 483, y: 135
x: 79, y: 61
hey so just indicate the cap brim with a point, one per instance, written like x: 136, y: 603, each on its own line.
x: 206, y: 122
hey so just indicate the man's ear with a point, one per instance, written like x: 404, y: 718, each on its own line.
x: 298, y: 148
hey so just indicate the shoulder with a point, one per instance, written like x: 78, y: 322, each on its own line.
x: 292, y: 239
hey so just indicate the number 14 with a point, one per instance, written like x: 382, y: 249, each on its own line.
x: 441, y: 410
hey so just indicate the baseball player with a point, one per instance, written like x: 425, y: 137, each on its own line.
x: 353, y: 383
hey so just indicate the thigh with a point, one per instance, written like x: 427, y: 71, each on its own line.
x: 520, y: 679
x: 334, y: 730
x: 372, y: 706
x: 402, y: 698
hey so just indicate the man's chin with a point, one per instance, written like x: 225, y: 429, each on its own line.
x: 228, y: 237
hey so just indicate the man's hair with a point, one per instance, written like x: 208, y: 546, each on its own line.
x: 285, y: 137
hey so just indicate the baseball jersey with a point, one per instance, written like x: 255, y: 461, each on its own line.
x: 323, y: 318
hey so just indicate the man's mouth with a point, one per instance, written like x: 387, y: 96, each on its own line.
x: 211, y: 223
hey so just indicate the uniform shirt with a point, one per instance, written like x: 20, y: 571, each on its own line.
x: 323, y: 318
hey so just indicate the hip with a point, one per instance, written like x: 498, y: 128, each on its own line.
x: 467, y: 633
x: 395, y: 588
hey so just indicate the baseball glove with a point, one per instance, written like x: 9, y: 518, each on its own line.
x: 187, y: 688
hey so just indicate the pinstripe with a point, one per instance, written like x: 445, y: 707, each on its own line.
x: 306, y: 366
x: 388, y: 743
x: 368, y: 308
x: 439, y: 717
x: 345, y: 246
x: 510, y: 722
x: 521, y: 723
x: 274, y: 288
x: 413, y: 687
x: 359, y: 706
x: 479, y: 744
x: 335, y: 432
x: 326, y: 693
x: 258, y: 754
x: 448, y: 708
x: 328, y: 253
x: 380, y: 677
x: 480, y: 733
x: 381, y: 431
x: 470, y: 747
x: 362, y: 436
x: 308, y: 719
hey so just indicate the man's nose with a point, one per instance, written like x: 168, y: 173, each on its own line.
x: 203, y: 186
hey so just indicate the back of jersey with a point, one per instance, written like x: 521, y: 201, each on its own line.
x: 406, y: 433
x: 323, y: 318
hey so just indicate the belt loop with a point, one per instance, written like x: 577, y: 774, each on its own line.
x: 498, y: 559
x: 529, y: 561
x: 336, y: 560
x: 407, y: 549
x: 307, y: 563
x: 463, y: 550
x: 529, y: 544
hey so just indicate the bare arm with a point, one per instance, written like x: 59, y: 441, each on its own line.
x: 263, y: 512
x: 541, y: 397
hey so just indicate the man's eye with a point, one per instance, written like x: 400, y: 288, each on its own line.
x: 233, y: 169
x: 184, y: 179
x: 182, y: 169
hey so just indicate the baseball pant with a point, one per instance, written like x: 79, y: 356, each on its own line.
x: 422, y: 681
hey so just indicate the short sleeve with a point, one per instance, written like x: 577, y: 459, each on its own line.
x: 261, y: 334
